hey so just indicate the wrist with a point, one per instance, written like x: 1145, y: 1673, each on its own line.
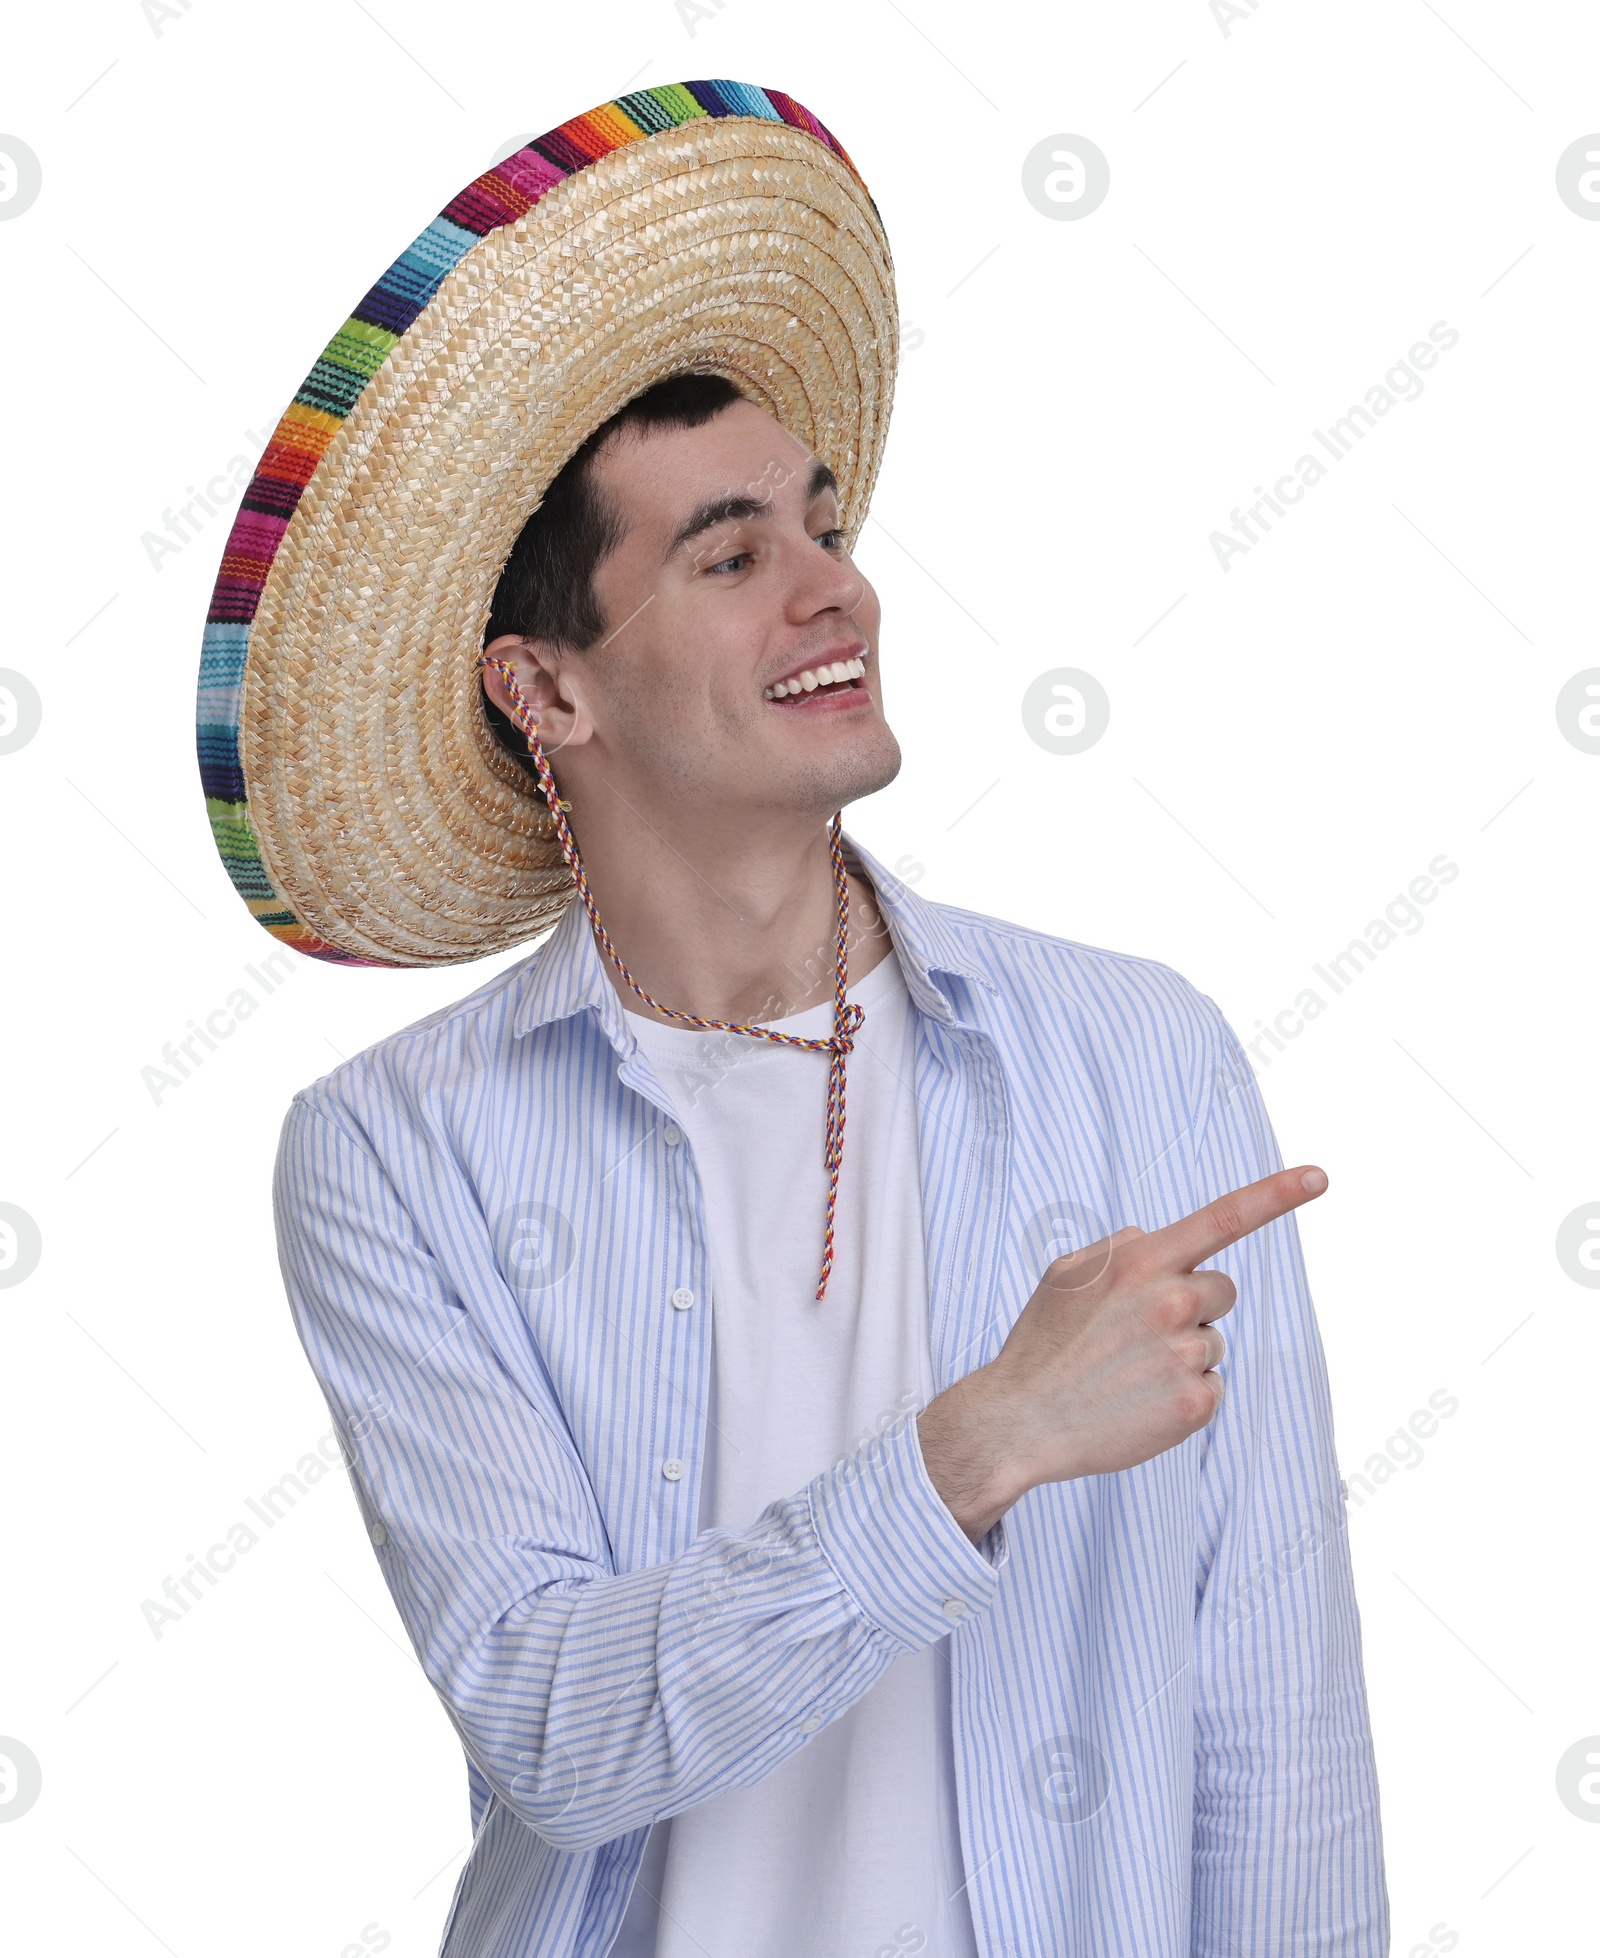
x: 966, y: 1436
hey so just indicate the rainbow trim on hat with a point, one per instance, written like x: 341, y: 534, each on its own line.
x: 500, y: 196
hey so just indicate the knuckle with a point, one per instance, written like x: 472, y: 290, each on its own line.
x: 1177, y: 1298
x: 1199, y: 1401
x: 1227, y: 1215
x: 1079, y: 1268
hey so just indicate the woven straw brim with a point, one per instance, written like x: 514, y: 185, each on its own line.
x: 386, y: 815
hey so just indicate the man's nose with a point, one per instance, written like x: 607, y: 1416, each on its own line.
x: 824, y: 581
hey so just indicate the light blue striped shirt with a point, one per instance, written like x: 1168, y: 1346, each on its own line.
x: 1158, y: 1708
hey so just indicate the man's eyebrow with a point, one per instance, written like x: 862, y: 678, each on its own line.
x: 731, y: 508
x: 719, y: 510
x: 822, y: 478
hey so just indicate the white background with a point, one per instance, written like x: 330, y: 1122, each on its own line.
x: 1293, y: 203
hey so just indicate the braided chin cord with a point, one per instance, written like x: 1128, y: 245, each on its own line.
x: 846, y: 1018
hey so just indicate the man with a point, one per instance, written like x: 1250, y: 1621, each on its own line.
x: 810, y: 1559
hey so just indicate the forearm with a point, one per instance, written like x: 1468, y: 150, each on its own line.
x: 606, y: 1703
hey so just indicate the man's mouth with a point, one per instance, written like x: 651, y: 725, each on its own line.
x: 839, y: 677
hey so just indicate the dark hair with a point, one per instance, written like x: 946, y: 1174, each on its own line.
x: 546, y: 588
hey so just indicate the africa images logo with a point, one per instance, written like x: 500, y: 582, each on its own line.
x: 1403, y: 382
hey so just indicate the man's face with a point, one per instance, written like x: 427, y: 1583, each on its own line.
x: 732, y: 577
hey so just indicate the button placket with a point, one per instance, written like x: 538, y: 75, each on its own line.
x: 685, y: 1359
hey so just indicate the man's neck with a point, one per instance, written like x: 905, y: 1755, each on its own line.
x: 740, y: 929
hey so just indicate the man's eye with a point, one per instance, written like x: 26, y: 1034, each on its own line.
x: 737, y: 558
x: 834, y: 539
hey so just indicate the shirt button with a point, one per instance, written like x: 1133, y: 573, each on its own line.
x: 380, y: 1536
x: 811, y: 1725
x: 955, y: 1608
x: 671, y: 1136
x: 683, y: 1298
x: 672, y: 1469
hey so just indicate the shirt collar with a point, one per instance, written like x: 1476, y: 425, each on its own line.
x: 567, y: 974
x: 927, y: 937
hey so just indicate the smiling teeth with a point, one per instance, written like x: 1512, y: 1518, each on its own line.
x: 822, y: 676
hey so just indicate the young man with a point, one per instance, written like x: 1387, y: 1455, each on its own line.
x: 811, y: 1560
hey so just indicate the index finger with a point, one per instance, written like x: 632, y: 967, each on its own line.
x: 1201, y: 1235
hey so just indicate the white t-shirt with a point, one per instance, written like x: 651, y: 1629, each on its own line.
x: 853, y: 1844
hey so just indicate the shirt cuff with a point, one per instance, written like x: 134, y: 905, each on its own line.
x: 894, y: 1545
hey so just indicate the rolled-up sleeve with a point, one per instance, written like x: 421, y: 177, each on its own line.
x: 593, y: 1702
x: 1288, y: 1854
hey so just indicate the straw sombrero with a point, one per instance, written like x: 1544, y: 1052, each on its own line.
x: 361, y: 804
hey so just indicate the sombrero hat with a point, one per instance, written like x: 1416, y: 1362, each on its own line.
x: 360, y: 802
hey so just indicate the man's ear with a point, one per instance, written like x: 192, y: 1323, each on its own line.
x: 542, y: 679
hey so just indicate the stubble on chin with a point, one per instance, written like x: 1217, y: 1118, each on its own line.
x: 838, y: 780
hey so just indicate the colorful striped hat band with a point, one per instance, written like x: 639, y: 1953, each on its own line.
x: 359, y: 799
x: 846, y: 1018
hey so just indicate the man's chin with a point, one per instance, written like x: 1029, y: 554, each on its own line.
x: 847, y: 777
